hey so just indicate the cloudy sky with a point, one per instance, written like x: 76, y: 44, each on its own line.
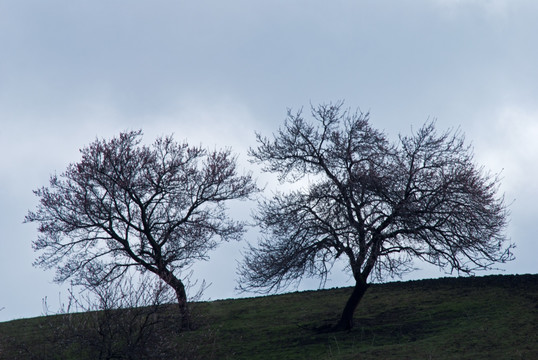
x: 213, y: 72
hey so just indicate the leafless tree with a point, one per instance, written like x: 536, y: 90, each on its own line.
x: 131, y: 318
x: 157, y: 208
x: 381, y: 204
x: 123, y: 319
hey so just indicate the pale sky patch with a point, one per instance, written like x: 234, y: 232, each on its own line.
x: 489, y: 7
x: 510, y: 145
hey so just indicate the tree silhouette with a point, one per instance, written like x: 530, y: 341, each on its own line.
x: 381, y: 204
x: 157, y: 208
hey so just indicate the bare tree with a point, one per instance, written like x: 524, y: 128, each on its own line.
x: 123, y: 319
x: 157, y: 208
x: 130, y: 318
x: 380, y: 204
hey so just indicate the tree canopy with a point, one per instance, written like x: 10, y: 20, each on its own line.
x: 380, y: 203
x: 157, y: 208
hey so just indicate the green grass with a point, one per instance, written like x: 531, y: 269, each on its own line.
x: 493, y: 317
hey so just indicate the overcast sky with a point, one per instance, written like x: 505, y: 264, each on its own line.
x: 213, y: 72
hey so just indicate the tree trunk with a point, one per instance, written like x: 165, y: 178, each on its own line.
x: 346, y: 321
x: 181, y: 295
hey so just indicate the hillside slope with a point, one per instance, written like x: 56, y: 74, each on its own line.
x: 493, y: 317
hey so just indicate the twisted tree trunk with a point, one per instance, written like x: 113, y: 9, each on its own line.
x: 346, y: 320
x: 181, y: 295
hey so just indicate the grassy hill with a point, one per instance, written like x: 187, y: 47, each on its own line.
x: 492, y: 317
